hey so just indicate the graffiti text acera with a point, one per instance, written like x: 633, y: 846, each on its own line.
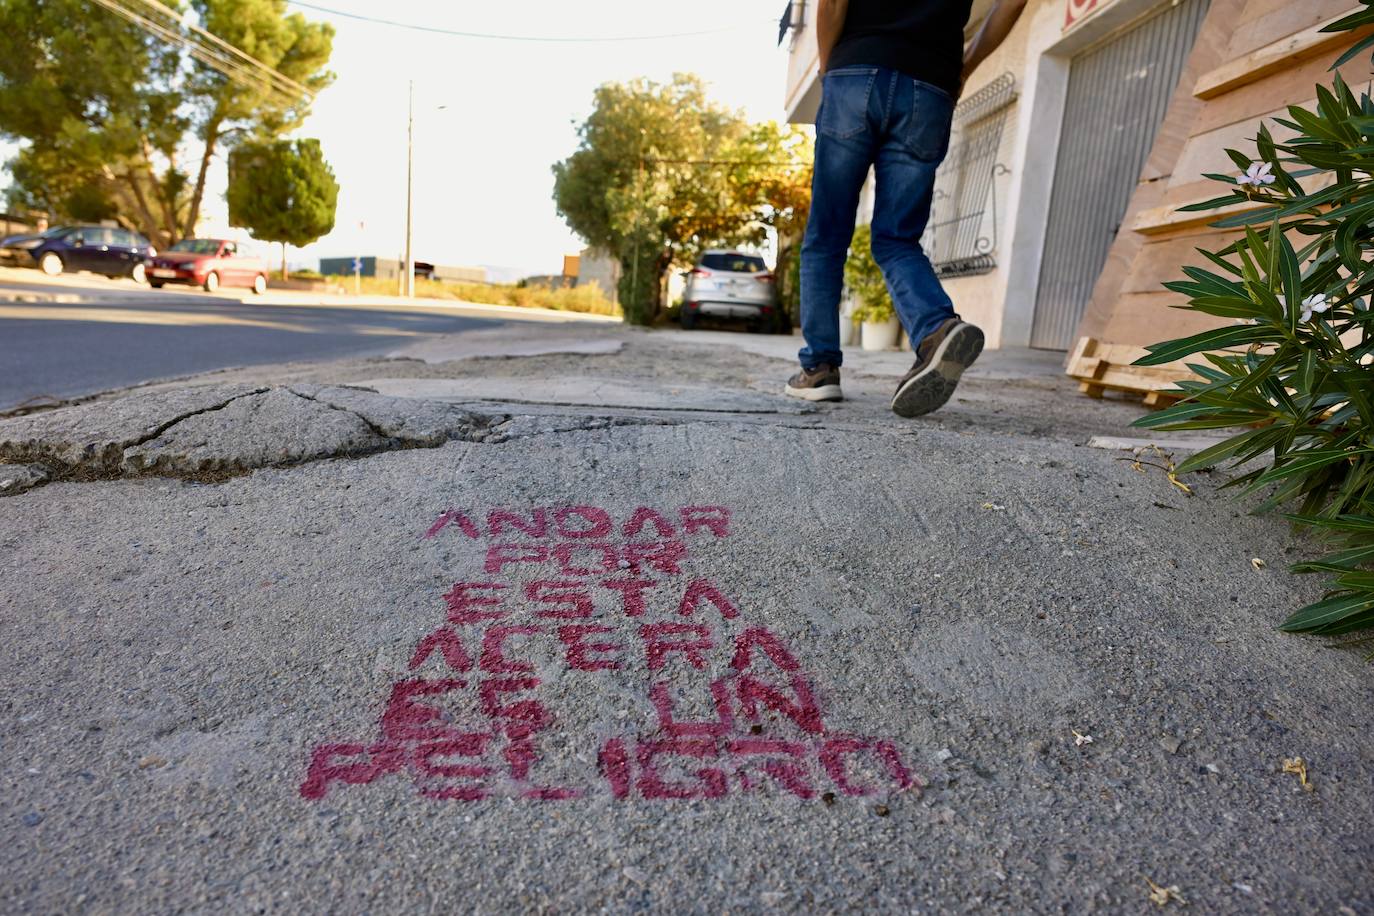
x: 608, y: 596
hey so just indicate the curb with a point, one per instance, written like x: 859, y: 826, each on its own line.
x: 29, y: 298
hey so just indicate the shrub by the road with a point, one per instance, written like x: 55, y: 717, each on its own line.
x: 586, y: 299
x: 864, y: 278
x: 1298, y: 379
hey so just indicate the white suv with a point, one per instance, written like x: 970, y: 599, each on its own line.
x: 731, y: 284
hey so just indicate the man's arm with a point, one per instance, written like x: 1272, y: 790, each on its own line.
x: 829, y: 25
x: 991, y: 33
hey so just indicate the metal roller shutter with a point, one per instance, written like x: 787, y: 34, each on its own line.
x: 1117, y: 95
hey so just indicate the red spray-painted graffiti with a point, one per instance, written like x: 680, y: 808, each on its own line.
x: 604, y: 599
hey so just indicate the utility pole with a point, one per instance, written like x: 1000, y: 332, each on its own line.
x: 639, y: 218
x: 410, y: 191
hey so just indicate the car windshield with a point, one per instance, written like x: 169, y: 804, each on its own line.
x: 55, y: 232
x: 196, y: 246
x: 735, y: 263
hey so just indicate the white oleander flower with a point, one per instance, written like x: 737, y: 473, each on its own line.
x: 1259, y: 173
x: 1314, y: 304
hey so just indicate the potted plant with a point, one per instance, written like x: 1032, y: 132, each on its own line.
x: 865, y: 281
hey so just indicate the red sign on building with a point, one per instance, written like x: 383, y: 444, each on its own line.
x: 1075, y: 11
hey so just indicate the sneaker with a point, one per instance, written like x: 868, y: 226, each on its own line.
x: 819, y: 384
x: 940, y: 359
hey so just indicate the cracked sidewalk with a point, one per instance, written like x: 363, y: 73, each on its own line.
x: 271, y: 636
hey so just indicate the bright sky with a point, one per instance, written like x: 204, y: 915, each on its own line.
x: 482, y: 163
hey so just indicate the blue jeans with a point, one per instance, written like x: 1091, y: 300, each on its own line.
x: 879, y: 118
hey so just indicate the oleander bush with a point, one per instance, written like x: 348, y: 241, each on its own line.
x: 1296, y: 377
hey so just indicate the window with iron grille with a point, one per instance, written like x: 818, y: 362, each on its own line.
x: 961, y: 237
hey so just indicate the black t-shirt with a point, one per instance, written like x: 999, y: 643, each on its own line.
x: 922, y: 38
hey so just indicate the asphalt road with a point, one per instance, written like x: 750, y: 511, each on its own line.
x: 116, y: 335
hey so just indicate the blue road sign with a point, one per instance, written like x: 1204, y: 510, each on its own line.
x: 357, y: 265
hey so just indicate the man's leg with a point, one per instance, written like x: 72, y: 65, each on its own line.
x: 905, y: 186
x: 914, y: 145
x: 840, y: 171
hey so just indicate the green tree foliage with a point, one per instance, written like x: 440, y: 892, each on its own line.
x: 104, y: 111
x: 662, y: 173
x: 772, y: 175
x: 864, y: 278
x: 282, y: 191
x: 1295, y: 371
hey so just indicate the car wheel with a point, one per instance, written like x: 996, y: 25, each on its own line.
x: 155, y: 284
x: 259, y: 284
x: 688, y: 320
x: 211, y: 282
x: 50, y: 263
x: 139, y: 274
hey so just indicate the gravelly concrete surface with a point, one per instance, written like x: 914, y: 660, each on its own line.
x: 934, y: 617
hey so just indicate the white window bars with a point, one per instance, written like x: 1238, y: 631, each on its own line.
x: 961, y: 237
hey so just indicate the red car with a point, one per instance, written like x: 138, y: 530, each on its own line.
x: 208, y: 263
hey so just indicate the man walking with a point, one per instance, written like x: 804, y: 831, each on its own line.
x: 891, y: 71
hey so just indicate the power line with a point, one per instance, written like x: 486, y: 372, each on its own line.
x: 494, y: 37
x: 281, y: 78
x: 229, y: 62
x: 216, y: 60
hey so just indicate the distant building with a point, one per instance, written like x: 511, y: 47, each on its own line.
x: 599, y: 268
x: 391, y: 269
x: 14, y: 224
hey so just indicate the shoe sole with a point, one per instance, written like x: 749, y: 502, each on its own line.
x: 820, y: 393
x: 930, y: 389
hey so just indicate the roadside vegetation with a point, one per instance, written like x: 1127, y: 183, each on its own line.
x: 586, y: 299
x: 282, y: 191
x: 663, y: 173
x: 1298, y: 375
x: 864, y: 278
x: 115, y: 123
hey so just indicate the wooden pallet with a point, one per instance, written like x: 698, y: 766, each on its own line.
x: 1101, y: 367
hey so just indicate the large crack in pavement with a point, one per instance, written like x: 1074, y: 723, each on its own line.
x: 218, y: 432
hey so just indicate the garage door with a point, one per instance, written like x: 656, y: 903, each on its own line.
x: 1117, y: 94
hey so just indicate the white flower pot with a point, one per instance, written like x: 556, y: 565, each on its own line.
x: 848, y: 326
x: 881, y: 335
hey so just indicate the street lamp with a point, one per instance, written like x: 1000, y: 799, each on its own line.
x: 410, y: 192
x: 410, y: 188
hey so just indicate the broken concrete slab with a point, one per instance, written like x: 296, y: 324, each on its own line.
x: 16, y: 478
x: 590, y: 391
x: 274, y: 427
x: 93, y: 436
x: 222, y: 430
x: 417, y: 423
x: 503, y: 342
